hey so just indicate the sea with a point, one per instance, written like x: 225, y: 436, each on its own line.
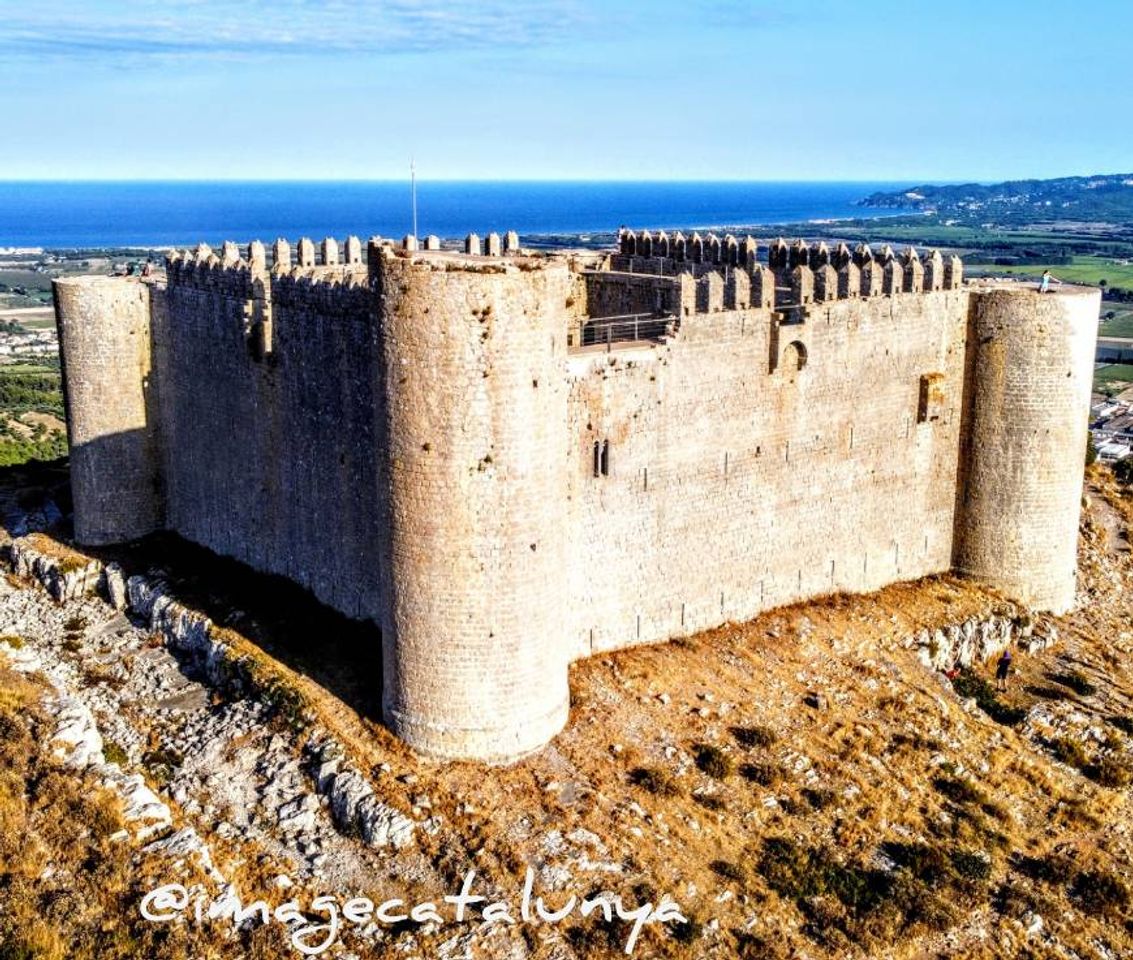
x: 75, y: 215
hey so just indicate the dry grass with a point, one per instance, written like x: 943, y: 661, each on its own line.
x: 85, y: 905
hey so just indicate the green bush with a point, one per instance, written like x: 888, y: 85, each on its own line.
x: 686, y: 933
x: 15, y: 452
x: 114, y: 753
x: 28, y: 392
x: 959, y: 791
x: 1052, y: 869
x: 971, y: 866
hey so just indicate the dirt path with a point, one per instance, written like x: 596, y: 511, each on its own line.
x: 1117, y: 539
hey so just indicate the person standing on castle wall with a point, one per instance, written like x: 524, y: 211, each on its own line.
x: 1045, y: 282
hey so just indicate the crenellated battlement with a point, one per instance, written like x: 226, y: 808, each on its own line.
x: 792, y: 274
x: 348, y: 263
x: 203, y: 262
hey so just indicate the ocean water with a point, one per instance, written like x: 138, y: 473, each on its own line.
x: 151, y: 213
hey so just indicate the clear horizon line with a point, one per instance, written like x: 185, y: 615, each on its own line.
x: 650, y: 180
x: 914, y: 181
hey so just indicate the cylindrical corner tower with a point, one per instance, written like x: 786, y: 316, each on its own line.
x: 104, y: 340
x: 472, y: 449
x: 1030, y: 369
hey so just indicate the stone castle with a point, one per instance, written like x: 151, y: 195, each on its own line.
x: 510, y: 461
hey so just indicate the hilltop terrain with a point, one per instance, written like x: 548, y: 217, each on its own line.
x: 801, y: 785
x: 1104, y: 199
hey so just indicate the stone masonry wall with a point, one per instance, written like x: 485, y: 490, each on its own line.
x: 270, y: 456
x: 1030, y: 375
x: 738, y: 481
x: 112, y: 421
x: 472, y: 423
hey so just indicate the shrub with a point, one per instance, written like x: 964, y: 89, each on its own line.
x: 94, y: 674
x: 161, y: 764
x: 656, y: 781
x: 1111, y: 771
x: 972, y: 867
x: 803, y: 873
x: 959, y: 791
x: 765, y: 774
x: 1052, y: 869
x: 710, y: 801
x: 755, y: 736
x: 1123, y: 470
x: 1070, y: 752
x: 1047, y: 693
x: 75, y: 624
x: 1124, y: 724
x: 12, y: 640
x: 114, y: 753
x: 596, y: 939
x: 970, y: 686
x: 727, y: 870
x: 819, y: 798
x: 713, y: 761
x: 1101, y: 894
x: 847, y: 903
x: 1075, y: 681
x: 686, y: 933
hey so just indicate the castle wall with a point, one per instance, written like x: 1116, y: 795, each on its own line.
x: 619, y: 294
x: 270, y: 443
x: 414, y: 441
x: 472, y: 423
x: 1031, y: 371
x: 112, y: 421
x: 734, y: 487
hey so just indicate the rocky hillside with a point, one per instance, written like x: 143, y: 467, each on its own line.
x: 837, y: 779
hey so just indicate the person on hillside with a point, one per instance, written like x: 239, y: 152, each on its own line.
x: 1003, y: 670
x: 1047, y: 280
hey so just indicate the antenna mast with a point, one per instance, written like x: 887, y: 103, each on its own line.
x: 413, y: 193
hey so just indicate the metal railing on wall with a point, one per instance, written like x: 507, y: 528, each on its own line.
x: 626, y: 328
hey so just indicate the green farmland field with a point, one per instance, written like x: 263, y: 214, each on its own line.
x: 1086, y: 270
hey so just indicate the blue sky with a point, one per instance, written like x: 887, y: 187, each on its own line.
x: 578, y: 89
